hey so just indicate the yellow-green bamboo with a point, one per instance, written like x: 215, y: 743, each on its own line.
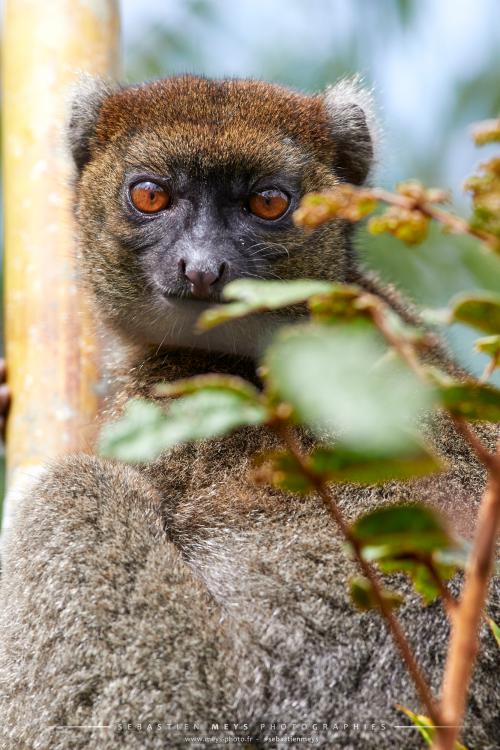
x: 51, y: 349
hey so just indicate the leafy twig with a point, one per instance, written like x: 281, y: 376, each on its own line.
x: 411, y: 208
x: 468, y: 611
x: 454, y: 223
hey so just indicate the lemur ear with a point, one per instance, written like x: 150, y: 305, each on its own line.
x: 354, y: 129
x: 87, y: 97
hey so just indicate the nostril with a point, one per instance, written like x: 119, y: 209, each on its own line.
x: 201, y: 281
x: 201, y: 278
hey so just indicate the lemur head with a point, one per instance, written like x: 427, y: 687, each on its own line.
x: 185, y: 184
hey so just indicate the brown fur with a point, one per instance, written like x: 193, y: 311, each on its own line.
x: 180, y: 591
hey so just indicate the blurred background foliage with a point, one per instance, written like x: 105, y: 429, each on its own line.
x: 434, y: 67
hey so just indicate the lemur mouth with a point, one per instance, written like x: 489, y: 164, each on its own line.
x: 186, y: 295
x: 186, y: 301
x: 210, y: 298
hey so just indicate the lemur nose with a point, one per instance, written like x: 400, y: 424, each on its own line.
x: 201, y: 282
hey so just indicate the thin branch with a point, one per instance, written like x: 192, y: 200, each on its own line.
x: 489, y: 370
x: 450, y: 603
x: 326, y: 496
x: 464, y: 641
x: 490, y: 460
x: 405, y: 350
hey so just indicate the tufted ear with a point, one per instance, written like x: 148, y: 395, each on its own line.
x: 87, y: 97
x: 350, y: 110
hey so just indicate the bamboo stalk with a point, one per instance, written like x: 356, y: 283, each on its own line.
x: 51, y: 350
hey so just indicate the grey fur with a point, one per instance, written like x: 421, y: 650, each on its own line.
x: 86, y: 98
x: 354, y: 127
x: 182, y: 592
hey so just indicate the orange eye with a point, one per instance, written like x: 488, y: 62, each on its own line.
x: 268, y: 204
x: 149, y: 198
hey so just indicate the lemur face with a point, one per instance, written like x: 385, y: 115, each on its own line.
x: 195, y: 227
x: 187, y: 184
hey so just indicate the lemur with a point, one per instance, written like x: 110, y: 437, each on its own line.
x: 140, y: 605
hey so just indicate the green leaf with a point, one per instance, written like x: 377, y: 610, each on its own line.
x: 340, y: 464
x: 210, y: 413
x: 471, y: 401
x: 364, y: 597
x: 145, y: 430
x: 252, y: 296
x: 425, y: 584
x: 425, y: 726
x: 454, y: 557
x: 137, y: 435
x: 480, y: 310
x: 218, y: 314
x: 339, y: 304
x: 417, y: 568
x: 495, y: 630
x: 489, y: 345
x: 396, y: 530
x: 337, y: 381
x: 280, y: 469
x: 229, y: 383
x: 274, y: 294
x: 421, y: 565
x: 487, y: 131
